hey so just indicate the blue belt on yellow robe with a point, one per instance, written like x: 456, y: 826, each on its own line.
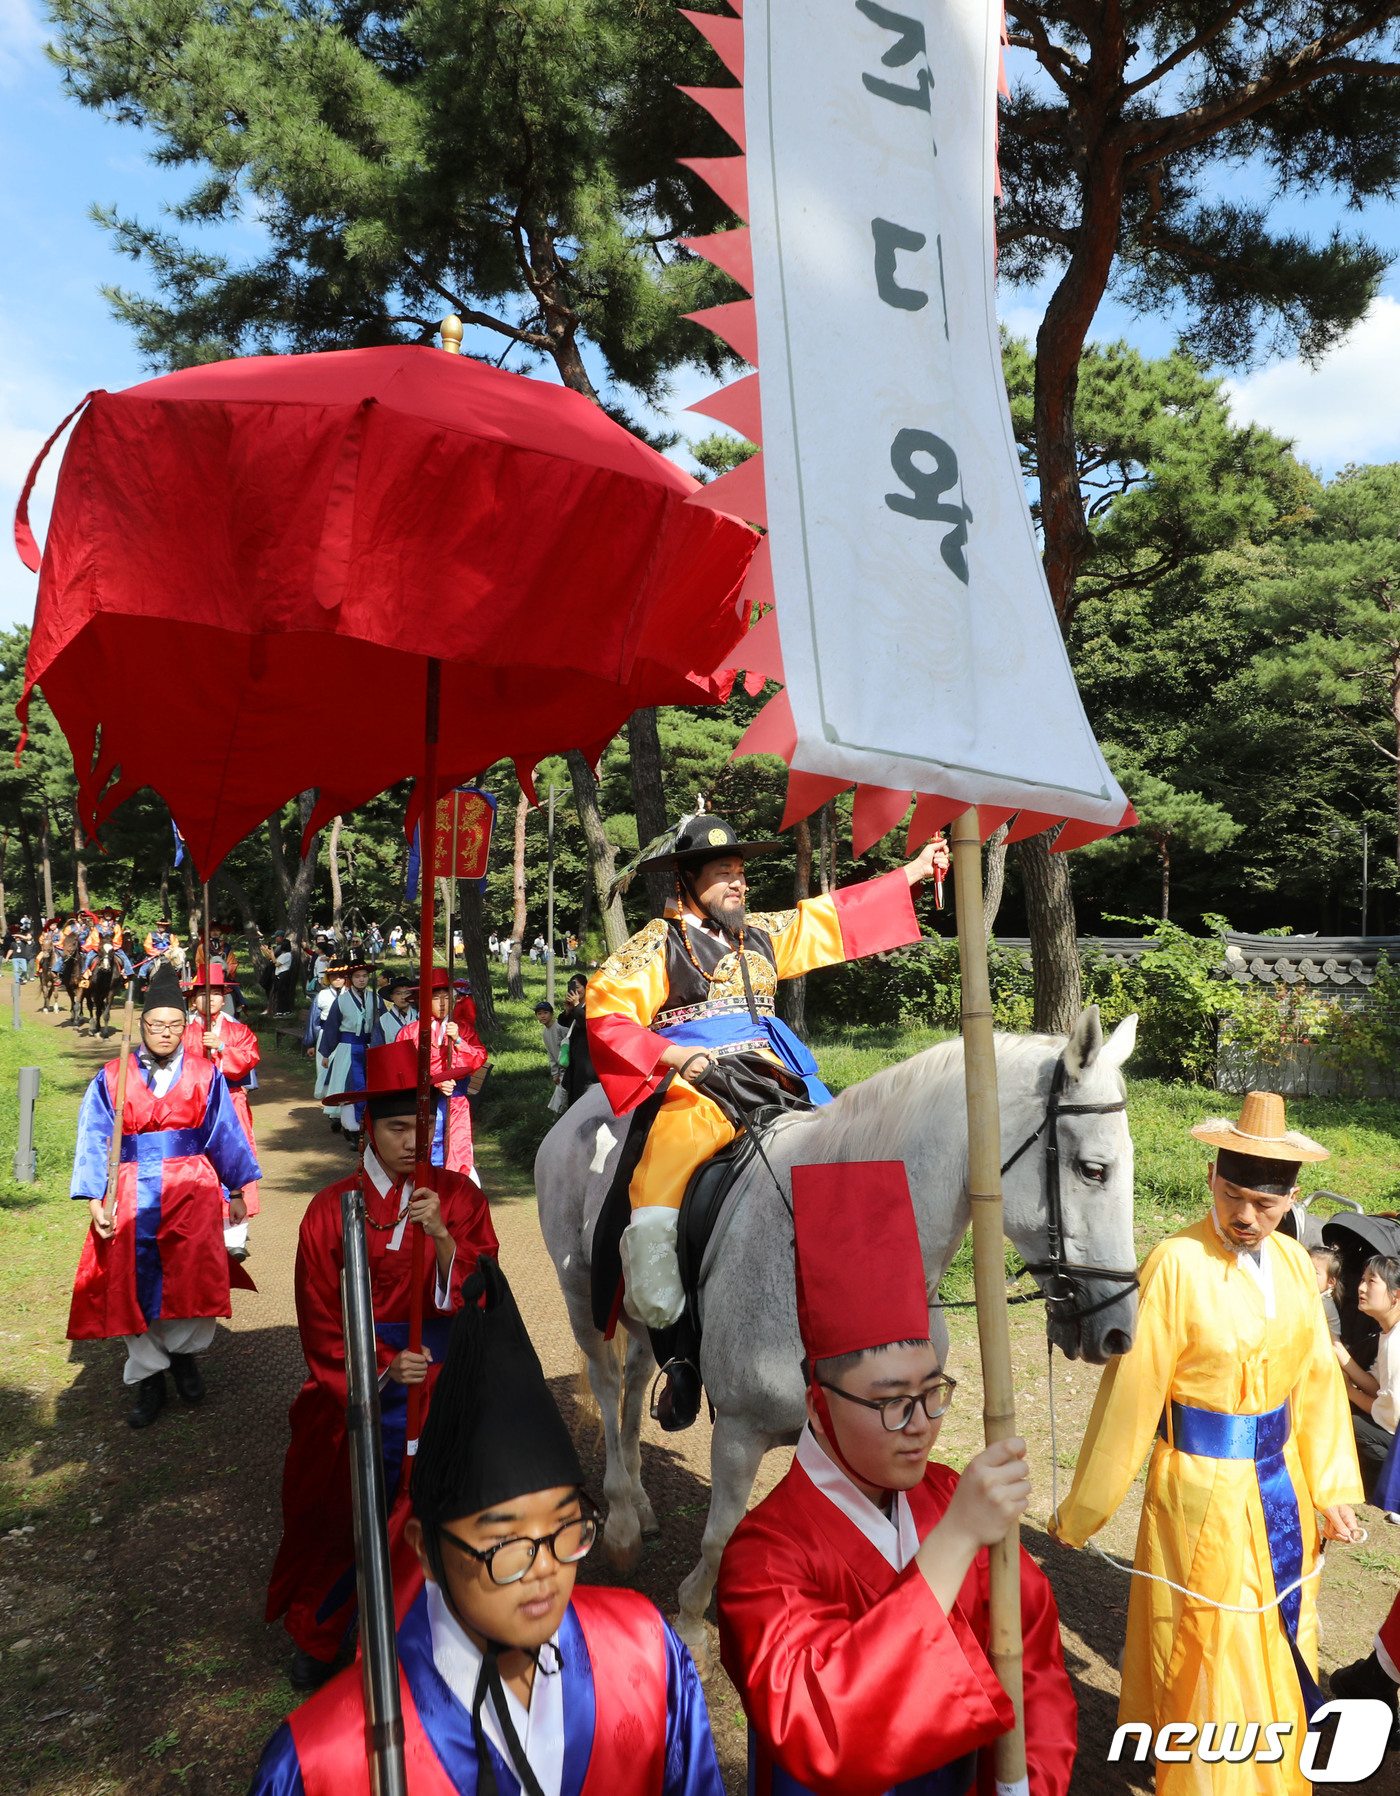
x: 1210, y: 1434
x: 739, y: 1028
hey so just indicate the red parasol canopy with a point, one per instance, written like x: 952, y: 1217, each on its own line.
x: 310, y: 529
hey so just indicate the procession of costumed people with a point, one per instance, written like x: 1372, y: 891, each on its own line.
x: 853, y: 1599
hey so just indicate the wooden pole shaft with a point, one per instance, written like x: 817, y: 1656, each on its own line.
x: 423, y: 1147
x: 989, y: 1264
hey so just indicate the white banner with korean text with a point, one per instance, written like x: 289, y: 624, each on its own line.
x: 919, y: 644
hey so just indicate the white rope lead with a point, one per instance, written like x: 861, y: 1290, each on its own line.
x: 1132, y: 1571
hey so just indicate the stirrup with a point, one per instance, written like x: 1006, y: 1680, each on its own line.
x: 677, y: 1406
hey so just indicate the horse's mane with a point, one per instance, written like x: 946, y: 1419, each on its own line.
x: 877, y: 1113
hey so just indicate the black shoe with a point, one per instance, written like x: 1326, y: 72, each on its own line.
x: 335, y: 1126
x: 307, y: 1673
x: 150, y: 1401
x: 352, y: 1141
x: 679, y: 1404
x: 1367, y: 1678
x: 184, y: 1369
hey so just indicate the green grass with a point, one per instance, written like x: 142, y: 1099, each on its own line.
x: 1363, y: 1133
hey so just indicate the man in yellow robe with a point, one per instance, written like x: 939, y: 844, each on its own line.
x: 1232, y: 1382
x: 687, y: 992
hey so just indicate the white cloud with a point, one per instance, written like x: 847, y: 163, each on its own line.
x: 21, y: 41
x: 1345, y: 410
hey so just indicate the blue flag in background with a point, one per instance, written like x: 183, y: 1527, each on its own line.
x: 179, y: 842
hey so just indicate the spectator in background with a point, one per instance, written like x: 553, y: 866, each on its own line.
x: 1327, y: 1264
x: 17, y: 947
x: 285, y: 965
x: 575, y: 1058
x: 1375, y: 1395
x: 552, y: 1035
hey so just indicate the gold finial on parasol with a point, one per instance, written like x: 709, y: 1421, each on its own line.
x: 451, y: 331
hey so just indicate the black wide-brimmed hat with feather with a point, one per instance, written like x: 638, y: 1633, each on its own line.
x: 690, y: 843
x: 494, y: 1431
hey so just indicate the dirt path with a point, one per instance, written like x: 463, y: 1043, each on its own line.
x: 133, y: 1611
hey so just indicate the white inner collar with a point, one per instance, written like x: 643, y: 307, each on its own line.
x: 540, y: 1728
x: 1258, y: 1265
x: 893, y: 1536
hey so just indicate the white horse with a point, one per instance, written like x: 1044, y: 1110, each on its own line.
x: 750, y: 1358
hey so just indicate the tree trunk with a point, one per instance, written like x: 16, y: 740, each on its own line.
x: 994, y: 877
x: 46, y: 861
x: 1166, y: 878
x: 165, y: 888
x: 649, y: 800
x: 80, y: 884
x: 792, y: 993
x: 245, y: 910
x: 515, y: 979
x: 585, y: 911
x: 31, y: 876
x: 4, y: 846
x: 337, y: 903
x: 281, y: 878
x: 826, y: 856
x: 1054, y: 949
x: 476, y: 956
x: 299, y: 899
x: 602, y: 856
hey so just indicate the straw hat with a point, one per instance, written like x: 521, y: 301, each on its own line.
x: 1261, y: 1132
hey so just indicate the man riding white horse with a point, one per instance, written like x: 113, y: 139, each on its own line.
x: 681, y: 1019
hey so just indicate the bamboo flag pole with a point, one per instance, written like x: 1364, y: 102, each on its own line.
x: 989, y: 1265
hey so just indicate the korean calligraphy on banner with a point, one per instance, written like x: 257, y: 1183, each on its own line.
x: 919, y: 645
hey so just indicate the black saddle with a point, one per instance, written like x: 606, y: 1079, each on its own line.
x: 701, y: 1209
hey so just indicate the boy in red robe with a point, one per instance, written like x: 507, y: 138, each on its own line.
x: 313, y: 1579
x: 512, y: 1678
x: 157, y: 1273
x: 853, y: 1598
x: 468, y: 1054
x: 214, y: 1034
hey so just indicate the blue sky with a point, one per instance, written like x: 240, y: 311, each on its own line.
x: 58, y: 339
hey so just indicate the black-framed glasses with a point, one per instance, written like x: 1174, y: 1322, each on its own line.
x: 508, y: 1561
x: 897, y: 1412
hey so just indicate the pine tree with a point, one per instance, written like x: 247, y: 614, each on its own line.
x: 1337, y: 610
x: 1113, y: 163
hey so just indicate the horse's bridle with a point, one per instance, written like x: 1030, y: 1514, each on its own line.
x: 1060, y: 1278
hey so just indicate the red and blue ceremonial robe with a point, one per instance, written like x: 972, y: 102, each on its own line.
x: 854, y: 1681
x: 179, y: 1153
x: 635, y: 1722
x: 313, y: 1578
x: 238, y: 1056
x: 468, y: 1055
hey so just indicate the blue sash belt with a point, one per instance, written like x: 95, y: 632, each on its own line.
x: 739, y: 1027
x: 163, y: 1144
x: 1207, y: 1434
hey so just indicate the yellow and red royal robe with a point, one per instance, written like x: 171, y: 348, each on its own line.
x: 632, y: 990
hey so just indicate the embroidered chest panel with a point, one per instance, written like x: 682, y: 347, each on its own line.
x: 718, y: 976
